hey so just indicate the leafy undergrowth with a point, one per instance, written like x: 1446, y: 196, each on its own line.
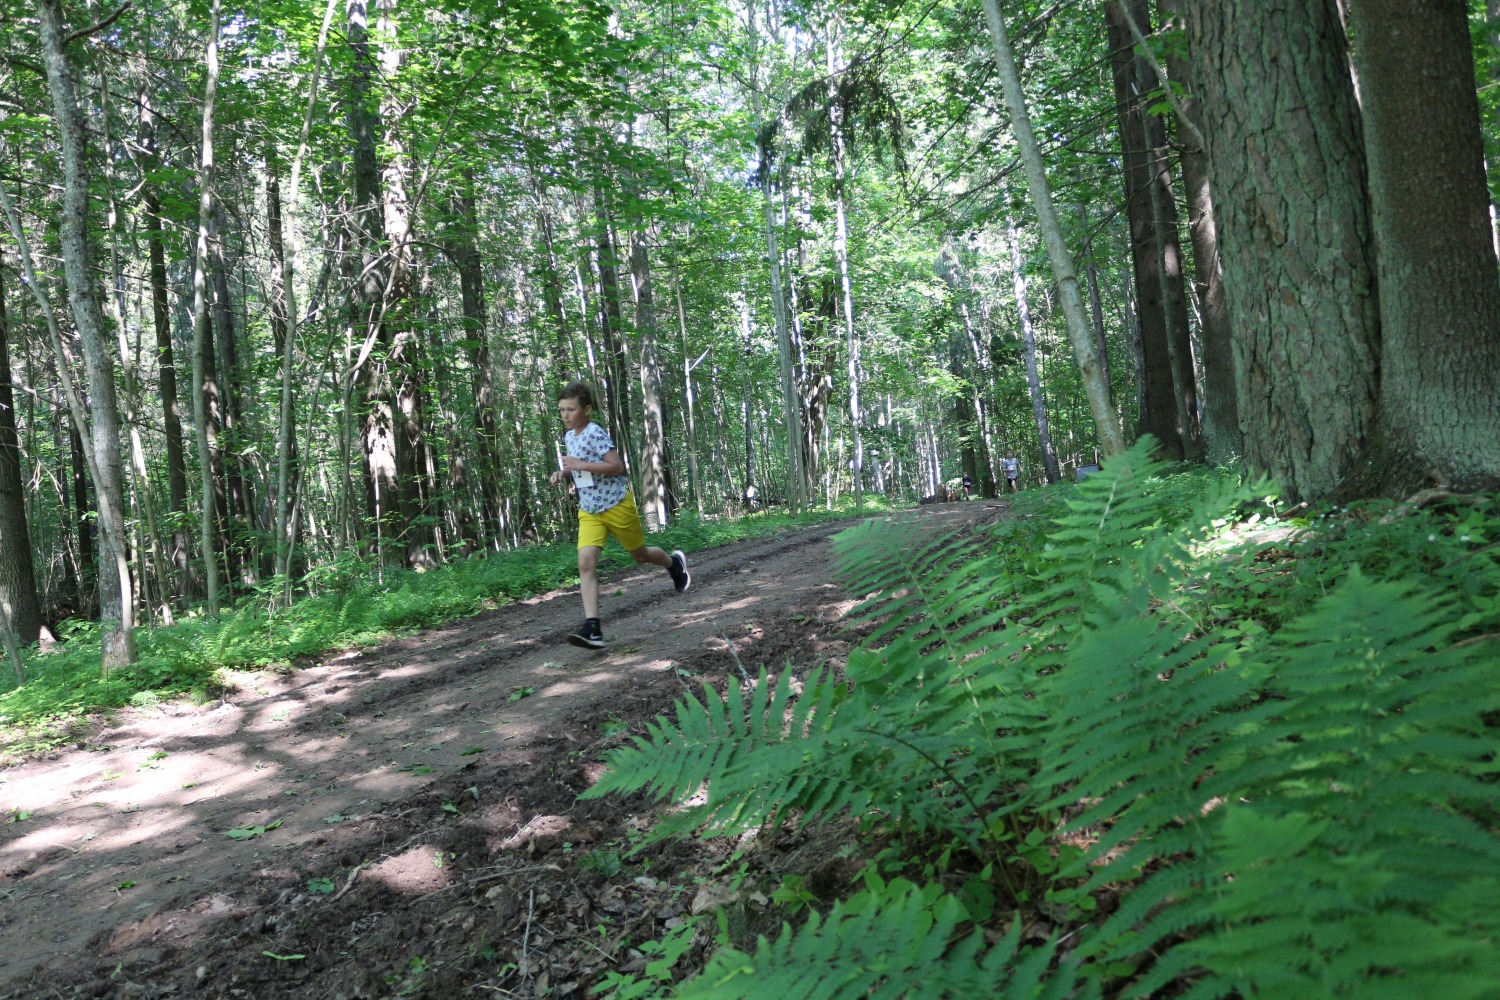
x: 1147, y: 738
x: 351, y: 606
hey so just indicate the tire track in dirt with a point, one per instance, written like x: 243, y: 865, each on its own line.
x: 469, y: 740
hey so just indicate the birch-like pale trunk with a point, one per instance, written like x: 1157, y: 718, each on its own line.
x: 132, y: 388
x: 797, y: 491
x: 288, y: 269
x: 1111, y: 434
x: 688, y: 412
x: 116, y: 594
x: 1033, y: 376
x: 201, y: 332
x: 841, y: 251
x: 653, y: 433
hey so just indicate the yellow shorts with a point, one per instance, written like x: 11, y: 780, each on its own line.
x: 622, y: 520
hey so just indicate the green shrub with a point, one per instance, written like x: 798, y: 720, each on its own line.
x: 1295, y: 798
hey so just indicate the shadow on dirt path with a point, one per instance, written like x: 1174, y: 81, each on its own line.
x: 412, y: 806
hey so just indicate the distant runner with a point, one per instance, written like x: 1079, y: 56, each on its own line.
x: 1012, y: 469
x: 605, y: 507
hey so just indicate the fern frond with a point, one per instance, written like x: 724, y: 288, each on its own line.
x: 898, y: 942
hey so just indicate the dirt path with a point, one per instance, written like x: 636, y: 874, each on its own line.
x: 430, y: 780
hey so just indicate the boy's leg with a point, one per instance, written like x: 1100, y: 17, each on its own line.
x: 588, y: 579
x: 651, y: 554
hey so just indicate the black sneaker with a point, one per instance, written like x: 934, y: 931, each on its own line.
x: 681, y: 578
x: 588, y: 635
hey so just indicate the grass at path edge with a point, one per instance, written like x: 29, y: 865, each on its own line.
x: 353, y: 608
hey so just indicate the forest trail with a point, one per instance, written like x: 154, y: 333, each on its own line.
x: 124, y: 866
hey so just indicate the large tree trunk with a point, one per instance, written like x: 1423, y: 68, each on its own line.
x: 1287, y: 157
x: 372, y: 389
x: 1141, y: 135
x: 654, y: 437
x: 1033, y: 377
x: 17, y: 573
x: 116, y: 595
x: 1221, y: 411
x: 1439, y: 297
x: 407, y: 365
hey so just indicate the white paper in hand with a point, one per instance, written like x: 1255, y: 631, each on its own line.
x: 583, y: 479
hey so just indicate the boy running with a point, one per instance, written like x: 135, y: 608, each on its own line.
x: 605, y: 507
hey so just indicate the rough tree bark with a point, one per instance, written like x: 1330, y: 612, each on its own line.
x: 116, y: 594
x: 1285, y: 152
x: 408, y: 369
x: 18, y: 598
x: 1439, y: 297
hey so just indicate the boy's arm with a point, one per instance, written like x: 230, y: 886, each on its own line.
x: 611, y: 465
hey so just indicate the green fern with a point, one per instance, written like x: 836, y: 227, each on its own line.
x: 889, y: 942
x: 1315, y: 807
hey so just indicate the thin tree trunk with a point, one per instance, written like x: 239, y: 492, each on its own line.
x: 284, y: 524
x: 116, y: 594
x: 166, y: 365
x: 1169, y: 273
x: 1221, y: 418
x: 749, y: 493
x: 1107, y: 422
x: 841, y: 252
x: 653, y: 458
x: 1033, y: 377
x: 18, y: 597
x: 143, y: 487
x: 617, y: 359
x: 689, y: 407
x: 236, y: 528
x: 1157, y: 412
x: 201, y: 332
x: 1439, y: 297
x: 1096, y: 305
x: 552, y: 286
x: 1282, y: 124
x: 465, y: 250
x: 796, y: 485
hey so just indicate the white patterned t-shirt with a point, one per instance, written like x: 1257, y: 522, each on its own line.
x: 591, y: 446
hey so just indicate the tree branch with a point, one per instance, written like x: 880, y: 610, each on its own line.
x: 85, y: 32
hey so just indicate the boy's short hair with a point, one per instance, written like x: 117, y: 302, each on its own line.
x: 581, y: 391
